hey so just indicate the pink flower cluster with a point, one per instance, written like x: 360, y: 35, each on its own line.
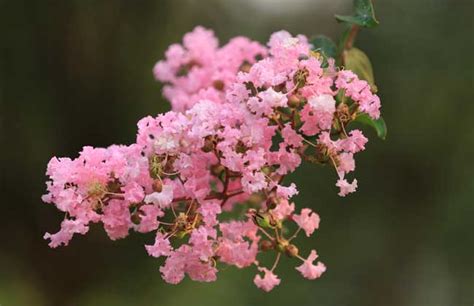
x: 200, y: 70
x: 244, y: 116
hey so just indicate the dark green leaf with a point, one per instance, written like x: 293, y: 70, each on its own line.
x: 363, y: 16
x: 357, y: 61
x: 324, y: 45
x: 378, y: 125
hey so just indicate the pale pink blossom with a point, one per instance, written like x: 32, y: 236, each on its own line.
x: 309, y: 270
x: 163, y: 198
x: 116, y: 219
x: 133, y: 192
x: 268, y: 281
x: 346, y: 187
x: 291, y: 137
x: 323, y: 103
x: 149, y: 218
x: 161, y: 247
x: 68, y: 229
x: 209, y: 211
x: 307, y: 220
x: 283, y: 210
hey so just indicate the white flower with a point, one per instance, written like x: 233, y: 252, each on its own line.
x: 323, y: 103
x: 163, y: 198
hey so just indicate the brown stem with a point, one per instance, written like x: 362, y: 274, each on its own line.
x: 349, y: 41
x: 352, y: 36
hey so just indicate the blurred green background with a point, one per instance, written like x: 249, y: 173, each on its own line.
x: 76, y: 73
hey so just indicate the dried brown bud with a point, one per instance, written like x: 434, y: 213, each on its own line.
x: 219, y: 85
x: 208, y: 144
x: 343, y: 113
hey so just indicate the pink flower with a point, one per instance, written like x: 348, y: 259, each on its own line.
x: 287, y: 192
x: 230, y: 139
x: 239, y: 253
x: 209, y: 211
x: 359, y: 91
x: 346, y: 163
x: 133, y: 192
x: 283, y: 210
x: 268, y: 282
x: 291, y: 137
x: 345, y: 187
x: 161, y: 247
x: 234, y: 247
x: 355, y: 142
x: 307, y: 220
x: 148, y: 218
x: 323, y: 103
x: 173, y: 271
x: 310, y: 271
x: 253, y: 182
x: 116, y: 219
x: 68, y: 229
x: 272, y: 98
x: 163, y: 199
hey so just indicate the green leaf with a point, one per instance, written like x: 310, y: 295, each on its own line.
x: 378, y: 125
x: 324, y: 45
x: 357, y: 61
x: 363, y: 16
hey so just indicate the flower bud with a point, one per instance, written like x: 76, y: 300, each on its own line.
x: 281, y: 245
x: 157, y: 186
x: 291, y: 250
x: 263, y: 220
x: 267, y: 170
x: 218, y: 84
x: 245, y: 67
x: 266, y: 245
x: 217, y: 169
x: 294, y: 101
x: 135, y: 218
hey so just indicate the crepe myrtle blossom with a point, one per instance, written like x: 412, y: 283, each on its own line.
x: 244, y: 116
